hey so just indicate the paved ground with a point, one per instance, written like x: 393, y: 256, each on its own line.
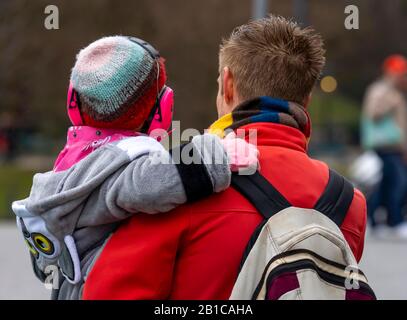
x: 384, y: 263
x: 17, y: 280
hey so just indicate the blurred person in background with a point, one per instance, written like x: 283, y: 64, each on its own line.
x: 384, y: 130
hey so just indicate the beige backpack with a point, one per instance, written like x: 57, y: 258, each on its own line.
x: 296, y: 253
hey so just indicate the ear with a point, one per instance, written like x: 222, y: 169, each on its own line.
x: 228, y: 85
x: 307, y: 101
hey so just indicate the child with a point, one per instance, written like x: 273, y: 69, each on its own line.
x: 107, y: 171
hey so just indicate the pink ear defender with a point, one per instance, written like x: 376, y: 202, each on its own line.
x: 162, y: 115
x: 72, y: 105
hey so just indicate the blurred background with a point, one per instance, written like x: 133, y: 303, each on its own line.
x: 35, y: 66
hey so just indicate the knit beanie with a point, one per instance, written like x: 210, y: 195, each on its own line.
x: 117, y: 82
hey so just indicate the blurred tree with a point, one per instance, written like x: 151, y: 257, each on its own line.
x: 35, y: 63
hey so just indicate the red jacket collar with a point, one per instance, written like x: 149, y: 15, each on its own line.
x: 278, y: 135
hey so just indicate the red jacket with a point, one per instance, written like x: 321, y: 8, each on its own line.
x: 194, y: 251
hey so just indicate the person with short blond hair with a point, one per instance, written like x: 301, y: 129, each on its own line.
x: 273, y: 57
x: 267, y: 71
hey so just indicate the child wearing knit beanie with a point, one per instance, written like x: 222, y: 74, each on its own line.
x: 106, y: 172
x: 117, y: 81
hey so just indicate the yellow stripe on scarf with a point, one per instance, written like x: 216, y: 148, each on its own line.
x: 219, y: 126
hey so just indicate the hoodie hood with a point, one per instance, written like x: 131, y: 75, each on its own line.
x: 82, y: 140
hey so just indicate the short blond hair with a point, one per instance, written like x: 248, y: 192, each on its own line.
x: 274, y: 57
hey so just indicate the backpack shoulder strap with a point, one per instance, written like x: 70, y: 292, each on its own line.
x: 261, y: 193
x: 336, y: 199
x: 334, y: 202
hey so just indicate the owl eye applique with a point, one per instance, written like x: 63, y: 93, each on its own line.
x: 33, y: 251
x: 36, y: 241
x: 42, y: 243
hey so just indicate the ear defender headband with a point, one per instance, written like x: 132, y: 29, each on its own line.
x: 73, y: 106
x: 161, y: 114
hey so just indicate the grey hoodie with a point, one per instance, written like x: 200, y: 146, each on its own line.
x: 69, y: 215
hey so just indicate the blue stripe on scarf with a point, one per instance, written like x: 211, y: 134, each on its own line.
x: 266, y: 116
x: 267, y: 103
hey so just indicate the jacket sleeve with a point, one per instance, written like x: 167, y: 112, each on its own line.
x: 160, y: 181
x: 138, y: 260
x: 354, y: 225
x: 363, y: 225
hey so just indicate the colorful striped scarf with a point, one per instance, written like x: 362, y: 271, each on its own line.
x: 264, y: 109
